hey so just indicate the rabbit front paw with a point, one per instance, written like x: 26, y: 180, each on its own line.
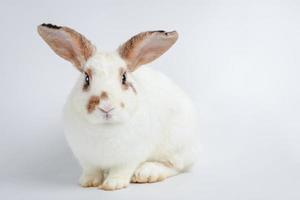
x: 118, y: 177
x: 114, y: 183
x: 150, y: 172
x: 90, y: 180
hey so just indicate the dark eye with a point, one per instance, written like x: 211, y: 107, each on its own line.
x: 124, y: 78
x: 86, y: 81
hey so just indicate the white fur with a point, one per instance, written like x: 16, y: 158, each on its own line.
x: 156, y: 126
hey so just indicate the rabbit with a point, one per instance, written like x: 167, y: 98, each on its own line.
x: 124, y: 121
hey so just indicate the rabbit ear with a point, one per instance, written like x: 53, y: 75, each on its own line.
x: 67, y: 43
x: 146, y: 47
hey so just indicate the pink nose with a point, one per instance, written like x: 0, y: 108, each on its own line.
x: 106, y: 108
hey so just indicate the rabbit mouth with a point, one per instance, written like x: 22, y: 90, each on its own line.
x: 99, y: 117
x: 107, y: 116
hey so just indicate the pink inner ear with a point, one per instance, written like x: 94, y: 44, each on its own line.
x: 68, y: 44
x: 146, y: 47
x: 63, y: 46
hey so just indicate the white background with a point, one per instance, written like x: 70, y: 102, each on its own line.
x: 238, y: 60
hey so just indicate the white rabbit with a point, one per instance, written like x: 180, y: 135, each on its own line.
x: 124, y: 122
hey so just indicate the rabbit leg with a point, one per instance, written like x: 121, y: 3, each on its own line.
x: 150, y: 172
x: 91, y: 177
x: 118, y: 177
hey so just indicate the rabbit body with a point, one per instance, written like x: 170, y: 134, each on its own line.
x: 163, y: 124
x: 162, y: 130
x: 123, y: 120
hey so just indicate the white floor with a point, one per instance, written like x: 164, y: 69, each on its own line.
x: 238, y: 60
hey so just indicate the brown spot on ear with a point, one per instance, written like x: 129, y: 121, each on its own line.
x: 93, y: 102
x: 122, y: 105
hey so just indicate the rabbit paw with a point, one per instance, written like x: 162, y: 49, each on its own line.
x: 90, y: 180
x: 114, y: 183
x: 150, y: 172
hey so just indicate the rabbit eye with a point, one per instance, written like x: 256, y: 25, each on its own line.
x: 124, y: 78
x: 86, y: 81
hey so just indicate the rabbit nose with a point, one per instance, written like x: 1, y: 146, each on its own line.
x: 105, y: 107
x: 106, y: 111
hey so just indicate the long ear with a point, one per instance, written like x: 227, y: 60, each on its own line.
x: 67, y: 43
x: 146, y: 46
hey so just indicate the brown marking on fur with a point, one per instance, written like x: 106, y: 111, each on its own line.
x: 89, y: 71
x: 122, y: 105
x: 146, y: 46
x: 93, y: 102
x: 103, y: 95
x: 128, y: 84
x: 67, y: 43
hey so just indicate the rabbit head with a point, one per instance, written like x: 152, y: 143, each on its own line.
x: 106, y: 91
